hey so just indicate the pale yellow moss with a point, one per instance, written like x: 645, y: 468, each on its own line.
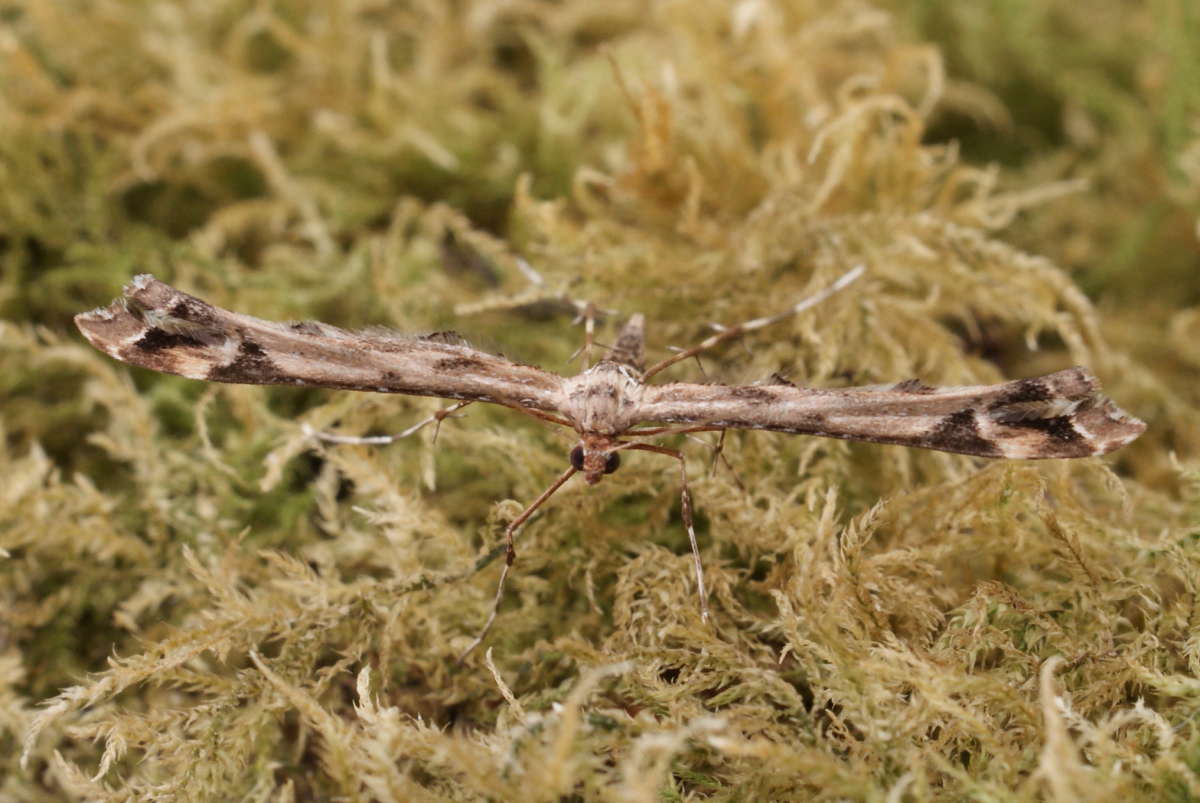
x: 200, y: 604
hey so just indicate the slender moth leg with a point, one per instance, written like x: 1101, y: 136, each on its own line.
x: 718, y: 457
x: 719, y: 454
x: 538, y: 414
x: 726, y: 333
x: 510, y: 555
x: 437, y: 418
x: 637, y: 433
x: 381, y: 440
x: 718, y: 448
x: 686, y: 510
x: 589, y: 333
x: 587, y: 314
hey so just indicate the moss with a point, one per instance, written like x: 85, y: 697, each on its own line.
x: 200, y: 604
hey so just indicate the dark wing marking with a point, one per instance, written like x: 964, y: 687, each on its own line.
x: 1058, y: 415
x: 158, y: 327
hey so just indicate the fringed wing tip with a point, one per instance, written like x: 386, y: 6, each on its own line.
x: 1059, y: 415
x: 1106, y: 427
x: 107, y: 327
x: 155, y: 326
x: 1103, y: 425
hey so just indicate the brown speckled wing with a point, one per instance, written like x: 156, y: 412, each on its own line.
x: 1053, y: 416
x: 158, y: 327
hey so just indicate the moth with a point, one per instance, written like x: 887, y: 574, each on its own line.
x: 609, y: 404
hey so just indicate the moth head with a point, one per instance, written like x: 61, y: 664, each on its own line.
x: 595, y: 462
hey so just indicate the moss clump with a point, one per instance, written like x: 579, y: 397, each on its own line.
x: 201, y: 605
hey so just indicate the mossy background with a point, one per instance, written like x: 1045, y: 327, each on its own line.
x: 197, y: 603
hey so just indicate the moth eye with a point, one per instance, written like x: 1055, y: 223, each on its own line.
x: 577, y: 458
x: 612, y: 462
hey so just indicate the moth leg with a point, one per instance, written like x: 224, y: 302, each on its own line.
x: 437, y: 418
x: 589, y: 332
x: 538, y: 414
x: 586, y: 313
x: 718, y: 449
x: 686, y: 509
x: 718, y: 458
x: 673, y: 430
x: 510, y: 555
x: 538, y: 294
x: 727, y: 332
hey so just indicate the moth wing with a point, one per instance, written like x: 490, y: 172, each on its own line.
x: 1053, y: 416
x: 155, y: 326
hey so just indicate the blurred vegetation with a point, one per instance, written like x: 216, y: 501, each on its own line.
x: 199, y: 603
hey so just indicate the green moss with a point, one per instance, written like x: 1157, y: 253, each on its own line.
x: 200, y: 604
